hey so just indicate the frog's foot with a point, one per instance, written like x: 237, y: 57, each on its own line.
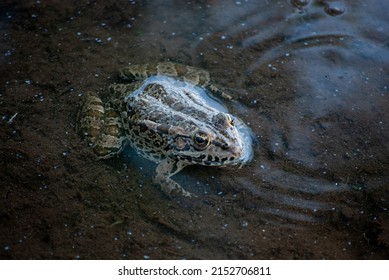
x: 165, y: 170
x: 171, y: 188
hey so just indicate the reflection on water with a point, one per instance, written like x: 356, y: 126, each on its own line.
x: 312, y: 83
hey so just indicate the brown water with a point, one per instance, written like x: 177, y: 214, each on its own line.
x: 311, y: 79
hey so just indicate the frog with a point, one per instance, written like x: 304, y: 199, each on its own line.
x: 167, y: 112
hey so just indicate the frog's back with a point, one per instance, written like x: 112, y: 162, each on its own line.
x: 171, y: 121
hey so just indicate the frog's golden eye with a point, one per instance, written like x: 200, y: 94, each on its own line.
x: 201, y: 140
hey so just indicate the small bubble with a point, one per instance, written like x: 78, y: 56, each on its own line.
x: 146, y: 257
x: 299, y: 3
x: 334, y: 8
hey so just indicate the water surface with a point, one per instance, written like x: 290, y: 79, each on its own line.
x: 310, y: 78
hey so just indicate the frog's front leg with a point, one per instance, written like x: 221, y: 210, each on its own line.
x: 165, y: 170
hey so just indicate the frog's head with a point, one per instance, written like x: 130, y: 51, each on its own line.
x: 221, y: 142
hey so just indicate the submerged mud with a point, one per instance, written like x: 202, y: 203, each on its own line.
x: 313, y: 87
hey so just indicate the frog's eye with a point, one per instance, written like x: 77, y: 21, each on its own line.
x: 201, y: 140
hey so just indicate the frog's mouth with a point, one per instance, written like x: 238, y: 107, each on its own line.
x: 213, y: 155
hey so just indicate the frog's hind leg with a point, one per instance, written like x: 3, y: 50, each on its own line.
x: 111, y: 140
x: 101, y: 126
x: 165, y: 170
x: 90, y: 118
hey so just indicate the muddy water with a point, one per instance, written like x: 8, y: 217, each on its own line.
x: 309, y: 77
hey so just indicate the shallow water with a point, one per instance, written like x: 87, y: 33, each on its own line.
x: 310, y: 78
